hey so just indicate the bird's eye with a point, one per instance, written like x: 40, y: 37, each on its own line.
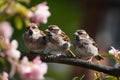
x: 33, y: 27
x: 80, y: 33
x: 85, y: 43
x: 50, y: 29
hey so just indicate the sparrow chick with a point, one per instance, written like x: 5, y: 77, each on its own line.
x: 58, y: 40
x: 34, y: 38
x: 85, y: 46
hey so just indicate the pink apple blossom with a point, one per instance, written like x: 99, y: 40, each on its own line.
x: 41, y: 14
x: 6, y: 29
x: 114, y: 52
x: 5, y: 76
x: 6, y: 32
x: 34, y: 70
x: 12, y: 50
x: 29, y: 14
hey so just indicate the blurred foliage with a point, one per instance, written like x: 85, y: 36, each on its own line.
x: 79, y: 78
x: 107, y: 55
x: 110, y: 78
x: 4, y: 65
x: 97, y: 76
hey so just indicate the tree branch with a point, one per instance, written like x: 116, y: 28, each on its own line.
x: 76, y: 62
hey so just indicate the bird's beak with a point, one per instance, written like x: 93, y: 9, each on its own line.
x: 30, y: 32
x: 47, y: 30
x: 76, y: 33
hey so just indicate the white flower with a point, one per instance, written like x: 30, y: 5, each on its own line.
x: 117, y: 65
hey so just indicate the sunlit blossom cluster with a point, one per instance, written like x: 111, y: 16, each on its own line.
x: 33, y: 70
x: 8, y: 48
x: 41, y: 14
x: 27, y: 70
x: 6, y: 32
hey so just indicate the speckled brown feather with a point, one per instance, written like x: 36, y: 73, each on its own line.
x: 42, y: 33
x: 94, y: 43
x: 65, y: 37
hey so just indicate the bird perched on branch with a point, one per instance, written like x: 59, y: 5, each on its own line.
x: 34, y: 39
x: 85, y: 46
x: 58, y: 40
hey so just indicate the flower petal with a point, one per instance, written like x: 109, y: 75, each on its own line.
x: 14, y: 44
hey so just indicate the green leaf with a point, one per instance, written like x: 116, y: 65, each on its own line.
x: 78, y: 78
x: 117, y: 61
x: 21, y: 9
x: 4, y: 65
x: 110, y: 78
x: 27, y: 21
x: 24, y: 1
x: 3, y: 4
x: 107, y: 55
x: 5, y: 17
x: 18, y: 22
x: 3, y: 46
x: 97, y: 76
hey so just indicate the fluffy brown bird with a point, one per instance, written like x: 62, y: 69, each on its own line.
x: 85, y: 47
x: 58, y: 40
x: 34, y: 39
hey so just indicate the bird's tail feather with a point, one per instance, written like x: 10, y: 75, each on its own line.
x: 98, y: 57
x: 70, y: 53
